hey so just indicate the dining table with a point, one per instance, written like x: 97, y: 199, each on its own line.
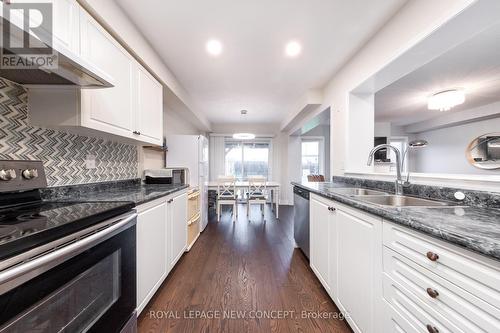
x: 273, y: 186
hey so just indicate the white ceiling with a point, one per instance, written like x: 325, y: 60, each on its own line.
x: 252, y: 72
x: 473, y: 66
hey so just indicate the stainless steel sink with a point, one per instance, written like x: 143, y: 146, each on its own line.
x: 356, y: 191
x: 401, y: 201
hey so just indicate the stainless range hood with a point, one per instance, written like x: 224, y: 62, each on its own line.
x: 71, y: 70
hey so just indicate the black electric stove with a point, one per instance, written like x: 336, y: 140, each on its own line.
x: 64, y: 266
x: 31, y: 224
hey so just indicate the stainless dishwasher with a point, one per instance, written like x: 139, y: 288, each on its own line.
x: 301, y: 219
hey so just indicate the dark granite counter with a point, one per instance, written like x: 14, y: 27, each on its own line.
x: 129, y: 190
x: 473, y: 228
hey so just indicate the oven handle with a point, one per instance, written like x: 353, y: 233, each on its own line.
x: 64, y: 253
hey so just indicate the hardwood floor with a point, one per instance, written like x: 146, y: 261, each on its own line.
x: 243, y: 277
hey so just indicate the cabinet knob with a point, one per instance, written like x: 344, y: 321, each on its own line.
x: 170, y: 201
x: 432, y: 256
x: 332, y: 209
x: 432, y: 292
x: 136, y: 132
x: 7, y: 174
x: 30, y: 173
x: 432, y: 329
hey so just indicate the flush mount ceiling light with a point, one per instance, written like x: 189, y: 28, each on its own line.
x: 243, y: 136
x: 293, y: 49
x: 446, y: 100
x: 214, y: 47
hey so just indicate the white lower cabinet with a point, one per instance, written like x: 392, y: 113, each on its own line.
x: 177, y: 221
x: 151, y: 254
x: 345, y: 255
x: 359, y: 240
x: 319, y: 233
x: 389, y: 278
x: 161, y: 241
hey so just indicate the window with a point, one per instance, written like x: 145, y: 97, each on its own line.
x: 247, y: 158
x: 312, y: 157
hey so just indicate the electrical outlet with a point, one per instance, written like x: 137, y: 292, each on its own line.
x: 90, y: 162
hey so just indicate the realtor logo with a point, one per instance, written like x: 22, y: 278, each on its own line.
x: 27, y: 36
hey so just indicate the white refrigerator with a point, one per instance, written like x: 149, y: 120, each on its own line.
x: 191, y: 151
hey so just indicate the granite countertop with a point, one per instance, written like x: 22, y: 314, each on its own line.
x: 474, y: 228
x: 132, y: 191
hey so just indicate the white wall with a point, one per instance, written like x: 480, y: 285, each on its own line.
x: 446, y: 150
x: 175, y: 123
x: 412, y: 23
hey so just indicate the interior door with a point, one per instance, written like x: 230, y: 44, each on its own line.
x: 111, y: 109
x: 150, y: 113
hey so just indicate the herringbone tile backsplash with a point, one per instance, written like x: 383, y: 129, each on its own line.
x: 63, y: 154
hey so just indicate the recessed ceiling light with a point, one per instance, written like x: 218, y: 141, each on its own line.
x: 214, y: 47
x: 293, y: 49
x: 446, y: 100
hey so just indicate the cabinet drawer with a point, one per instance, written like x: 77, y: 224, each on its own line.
x: 452, y: 302
x: 412, y: 309
x: 394, y: 323
x: 476, y: 274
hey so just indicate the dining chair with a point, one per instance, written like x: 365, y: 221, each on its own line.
x: 315, y: 178
x: 226, y: 195
x: 257, y: 193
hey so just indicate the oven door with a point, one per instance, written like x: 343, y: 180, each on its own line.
x: 93, y: 289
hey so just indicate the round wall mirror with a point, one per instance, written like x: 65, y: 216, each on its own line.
x: 484, y: 151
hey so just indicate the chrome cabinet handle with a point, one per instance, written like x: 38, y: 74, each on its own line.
x: 136, y: 132
x: 332, y: 209
x: 170, y: 201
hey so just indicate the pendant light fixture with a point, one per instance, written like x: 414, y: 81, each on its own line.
x: 243, y: 136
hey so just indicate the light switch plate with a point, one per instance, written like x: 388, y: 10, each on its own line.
x: 90, y: 162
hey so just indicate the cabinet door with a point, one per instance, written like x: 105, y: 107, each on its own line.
x: 66, y: 33
x: 151, y: 253
x: 319, y: 234
x: 359, y: 243
x: 111, y: 109
x: 178, y: 223
x: 149, y: 116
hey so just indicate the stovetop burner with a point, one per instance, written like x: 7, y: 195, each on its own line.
x: 28, y: 225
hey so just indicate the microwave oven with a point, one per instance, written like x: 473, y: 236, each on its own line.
x: 170, y: 176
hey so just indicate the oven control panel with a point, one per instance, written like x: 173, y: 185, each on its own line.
x: 21, y: 175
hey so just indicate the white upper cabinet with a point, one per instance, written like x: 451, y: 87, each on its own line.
x: 149, y: 116
x: 112, y: 109
x: 131, y: 109
x: 66, y: 24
